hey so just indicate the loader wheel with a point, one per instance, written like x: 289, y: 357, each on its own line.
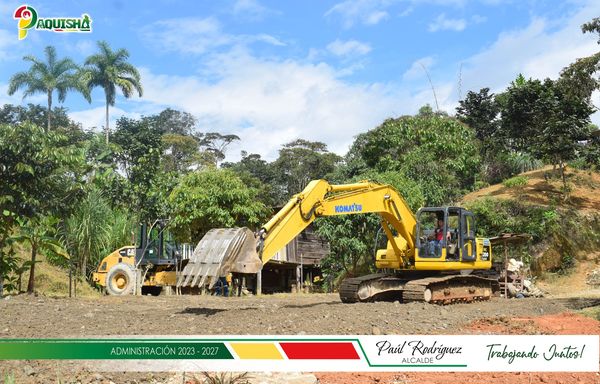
x: 120, y: 280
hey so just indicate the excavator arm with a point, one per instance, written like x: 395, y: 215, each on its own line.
x: 320, y: 199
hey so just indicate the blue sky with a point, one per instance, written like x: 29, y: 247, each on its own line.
x: 274, y: 71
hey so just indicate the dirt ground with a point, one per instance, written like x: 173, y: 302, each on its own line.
x: 30, y: 316
x: 318, y: 314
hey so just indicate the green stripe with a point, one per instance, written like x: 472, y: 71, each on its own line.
x: 115, y: 350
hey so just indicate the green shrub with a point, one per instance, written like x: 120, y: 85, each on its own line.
x: 517, y: 181
x: 480, y: 184
x: 566, y: 233
x: 496, y: 216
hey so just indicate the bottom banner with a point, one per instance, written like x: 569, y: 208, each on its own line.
x: 543, y: 353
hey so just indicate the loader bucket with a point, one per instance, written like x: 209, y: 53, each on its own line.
x: 221, y: 251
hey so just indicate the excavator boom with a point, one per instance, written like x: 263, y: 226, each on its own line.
x: 320, y: 198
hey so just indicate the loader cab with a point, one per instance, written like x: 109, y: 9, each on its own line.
x: 445, y: 234
x: 155, y: 245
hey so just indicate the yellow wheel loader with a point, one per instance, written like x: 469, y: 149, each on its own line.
x: 150, y: 264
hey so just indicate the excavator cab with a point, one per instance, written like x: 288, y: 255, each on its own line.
x: 445, y: 234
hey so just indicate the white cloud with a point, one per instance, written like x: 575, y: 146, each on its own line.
x: 442, y: 23
x: 190, y: 35
x: 348, y: 48
x: 375, y: 17
x: 371, y: 12
x: 85, y: 47
x: 539, y: 50
x: 478, y: 19
x: 95, y: 118
x: 416, y: 69
x: 251, y: 9
x: 8, y: 43
x: 197, y: 35
x: 368, y: 12
x: 270, y: 102
x: 6, y: 99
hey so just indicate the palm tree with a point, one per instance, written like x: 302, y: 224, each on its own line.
x: 109, y: 69
x: 46, y: 77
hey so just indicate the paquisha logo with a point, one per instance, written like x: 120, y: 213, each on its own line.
x: 28, y: 19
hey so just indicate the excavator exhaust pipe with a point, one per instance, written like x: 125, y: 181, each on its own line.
x: 220, y: 252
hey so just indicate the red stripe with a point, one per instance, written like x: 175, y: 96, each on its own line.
x: 319, y: 350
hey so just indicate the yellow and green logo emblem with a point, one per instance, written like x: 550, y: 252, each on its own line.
x: 27, y: 18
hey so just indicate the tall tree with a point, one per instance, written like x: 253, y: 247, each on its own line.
x: 547, y: 118
x: 60, y: 75
x: 437, y: 152
x: 519, y: 106
x: 139, y: 155
x: 109, y: 69
x: 213, y: 198
x: 181, y: 145
x: 299, y: 162
x: 215, y: 144
x: 479, y: 111
x: 256, y: 173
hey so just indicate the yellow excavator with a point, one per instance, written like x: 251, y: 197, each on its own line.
x: 417, y: 265
x: 433, y: 256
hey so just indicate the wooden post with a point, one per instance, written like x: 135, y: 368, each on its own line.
x: 299, y: 278
x: 70, y: 279
x: 302, y: 272
x: 138, y: 282
x: 505, y: 269
x: 259, y: 282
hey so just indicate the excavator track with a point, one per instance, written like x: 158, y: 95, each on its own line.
x: 435, y: 290
x: 448, y: 289
x: 350, y: 288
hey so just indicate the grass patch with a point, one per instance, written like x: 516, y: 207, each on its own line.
x: 54, y: 281
x: 517, y: 181
x: 593, y: 312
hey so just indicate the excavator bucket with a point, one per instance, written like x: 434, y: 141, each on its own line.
x: 221, y: 251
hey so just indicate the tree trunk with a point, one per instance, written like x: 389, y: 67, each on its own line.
x: 1, y: 279
x: 107, y: 128
x: 83, y: 265
x: 31, y: 283
x: 561, y: 168
x: 49, y: 110
x: 2, y: 247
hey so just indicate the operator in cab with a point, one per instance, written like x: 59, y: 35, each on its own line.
x: 437, y: 242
